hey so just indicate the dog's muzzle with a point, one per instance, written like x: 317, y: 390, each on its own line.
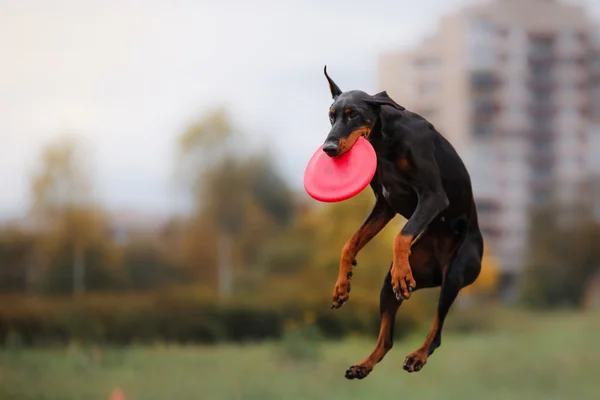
x: 331, y: 148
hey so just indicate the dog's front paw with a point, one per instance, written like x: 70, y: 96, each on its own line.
x: 358, y: 371
x: 341, y: 292
x: 403, y: 282
x: 415, y: 360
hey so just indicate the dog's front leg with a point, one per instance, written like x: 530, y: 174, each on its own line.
x: 430, y: 205
x: 378, y: 218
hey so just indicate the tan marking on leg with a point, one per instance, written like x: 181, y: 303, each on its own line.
x: 364, y: 234
x: 401, y: 272
x: 418, y: 358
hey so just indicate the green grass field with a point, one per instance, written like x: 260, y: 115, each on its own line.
x: 552, y: 357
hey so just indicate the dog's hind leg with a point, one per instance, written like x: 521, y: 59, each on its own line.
x: 388, y: 306
x: 424, y: 267
x: 461, y: 271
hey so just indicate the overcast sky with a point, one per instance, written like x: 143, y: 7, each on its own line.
x: 129, y: 75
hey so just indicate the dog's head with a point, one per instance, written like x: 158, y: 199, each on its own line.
x: 352, y: 115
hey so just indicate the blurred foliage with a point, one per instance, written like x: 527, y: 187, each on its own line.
x: 71, y: 231
x: 239, y: 199
x: 163, y: 316
x: 16, y: 249
x: 165, y: 284
x: 62, y: 179
x: 565, y: 256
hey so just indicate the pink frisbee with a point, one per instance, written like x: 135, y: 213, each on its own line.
x: 332, y: 179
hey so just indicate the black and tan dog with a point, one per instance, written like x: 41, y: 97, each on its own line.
x: 421, y: 177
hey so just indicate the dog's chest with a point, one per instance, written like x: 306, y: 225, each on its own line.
x: 394, y: 185
x: 396, y: 189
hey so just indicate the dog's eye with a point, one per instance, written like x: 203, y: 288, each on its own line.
x: 352, y: 114
x: 331, y: 117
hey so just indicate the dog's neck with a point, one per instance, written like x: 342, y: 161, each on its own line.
x: 382, y: 132
x: 382, y: 120
x: 377, y: 131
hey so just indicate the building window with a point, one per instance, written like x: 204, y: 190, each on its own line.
x: 481, y: 57
x: 541, y: 97
x: 482, y: 28
x: 481, y: 107
x: 595, y: 61
x: 485, y: 205
x: 482, y: 130
x: 541, y: 147
x: 483, y: 80
x: 540, y: 171
x: 540, y: 71
x: 541, y: 123
x: 541, y: 46
x: 426, y: 62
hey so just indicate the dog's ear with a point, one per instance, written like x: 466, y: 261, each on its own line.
x: 382, y: 98
x: 335, y: 90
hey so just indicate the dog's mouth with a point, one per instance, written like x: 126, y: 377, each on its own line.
x: 344, y: 144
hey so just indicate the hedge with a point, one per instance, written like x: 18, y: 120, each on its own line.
x: 124, y: 319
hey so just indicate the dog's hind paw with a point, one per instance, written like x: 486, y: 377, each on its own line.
x: 358, y: 372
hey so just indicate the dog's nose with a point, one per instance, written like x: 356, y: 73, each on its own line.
x: 330, y: 148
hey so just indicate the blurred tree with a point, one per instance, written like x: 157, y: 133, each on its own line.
x: 204, y: 146
x: 239, y: 199
x: 63, y: 208
x: 62, y: 180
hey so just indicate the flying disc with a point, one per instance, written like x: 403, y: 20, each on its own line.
x: 332, y: 179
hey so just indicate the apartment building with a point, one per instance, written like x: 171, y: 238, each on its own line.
x: 515, y: 86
